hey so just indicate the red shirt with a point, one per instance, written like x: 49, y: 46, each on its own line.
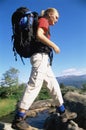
x: 43, y: 23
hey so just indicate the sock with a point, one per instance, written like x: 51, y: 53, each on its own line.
x: 60, y: 109
x: 20, y: 114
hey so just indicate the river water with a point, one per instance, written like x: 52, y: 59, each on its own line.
x: 39, y: 120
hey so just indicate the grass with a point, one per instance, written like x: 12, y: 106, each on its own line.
x: 7, y: 106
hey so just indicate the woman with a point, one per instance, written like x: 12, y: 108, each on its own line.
x: 42, y: 72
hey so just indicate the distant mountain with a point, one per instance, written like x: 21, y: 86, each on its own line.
x: 72, y: 80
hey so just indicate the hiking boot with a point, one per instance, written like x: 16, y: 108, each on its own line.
x: 21, y: 124
x: 68, y: 116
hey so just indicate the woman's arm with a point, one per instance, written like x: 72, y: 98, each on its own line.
x: 41, y: 37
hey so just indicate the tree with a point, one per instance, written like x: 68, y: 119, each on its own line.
x: 84, y: 87
x: 10, y: 77
x: 62, y: 85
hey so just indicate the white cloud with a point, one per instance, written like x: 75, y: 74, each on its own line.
x: 73, y: 71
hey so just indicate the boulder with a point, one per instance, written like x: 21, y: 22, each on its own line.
x: 7, y: 126
x: 76, y: 102
x: 53, y: 122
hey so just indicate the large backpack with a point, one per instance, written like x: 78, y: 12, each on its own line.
x: 24, y: 26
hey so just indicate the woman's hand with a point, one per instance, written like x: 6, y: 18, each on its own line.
x: 56, y: 49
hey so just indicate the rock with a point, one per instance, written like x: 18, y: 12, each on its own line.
x: 73, y: 126
x: 77, y: 102
x: 7, y: 126
x: 42, y: 104
x: 39, y: 106
x: 53, y: 122
x: 34, y: 112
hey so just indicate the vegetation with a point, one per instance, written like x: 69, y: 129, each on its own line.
x: 9, y: 78
x: 9, y: 96
x: 84, y: 87
x: 6, y: 106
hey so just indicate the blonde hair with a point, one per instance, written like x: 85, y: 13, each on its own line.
x: 49, y: 10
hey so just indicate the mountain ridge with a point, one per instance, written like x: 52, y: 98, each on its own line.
x: 72, y: 80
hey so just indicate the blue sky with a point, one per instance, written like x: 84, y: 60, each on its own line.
x: 69, y: 34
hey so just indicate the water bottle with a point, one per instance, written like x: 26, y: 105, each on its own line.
x: 23, y: 21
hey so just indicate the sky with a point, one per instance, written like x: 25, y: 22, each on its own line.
x: 69, y: 34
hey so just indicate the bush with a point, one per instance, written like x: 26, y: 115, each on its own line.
x: 11, y: 92
x: 44, y: 94
x: 83, y: 87
x: 16, y: 92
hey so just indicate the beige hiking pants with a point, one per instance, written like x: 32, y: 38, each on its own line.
x: 41, y: 71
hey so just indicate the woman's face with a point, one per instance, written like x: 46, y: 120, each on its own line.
x: 53, y: 18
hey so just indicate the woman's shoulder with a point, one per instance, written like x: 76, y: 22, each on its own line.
x: 43, y: 19
x: 43, y: 23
